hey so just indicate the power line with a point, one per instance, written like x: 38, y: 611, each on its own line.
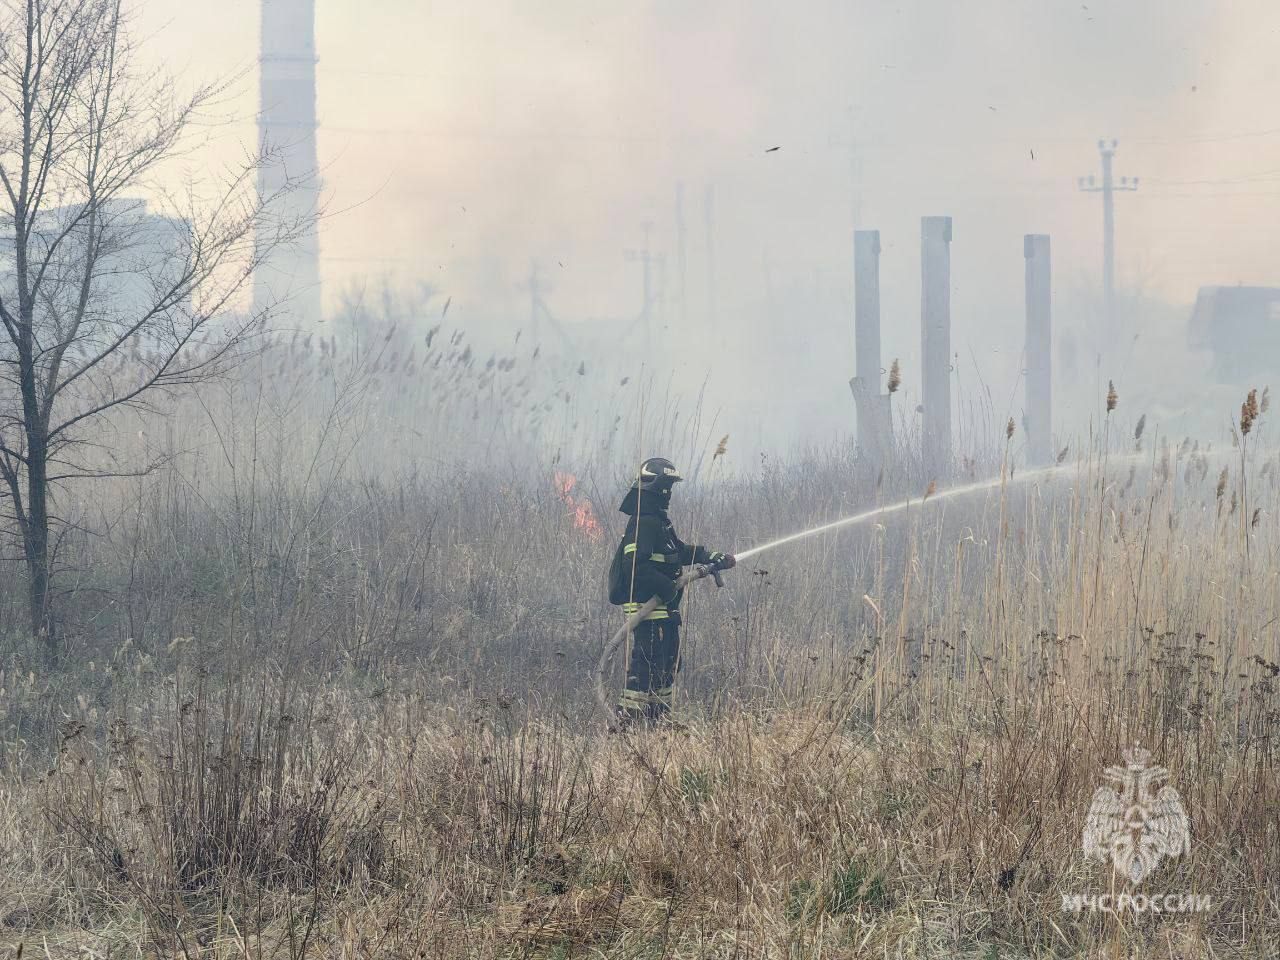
x: 1218, y: 138
x: 1262, y: 176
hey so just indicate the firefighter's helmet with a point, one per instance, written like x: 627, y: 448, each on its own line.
x: 658, y: 474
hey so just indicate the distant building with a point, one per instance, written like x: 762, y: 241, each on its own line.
x: 141, y: 256
x: 1240, y: 328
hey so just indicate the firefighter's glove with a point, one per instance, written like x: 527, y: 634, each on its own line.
x: 723, y: 561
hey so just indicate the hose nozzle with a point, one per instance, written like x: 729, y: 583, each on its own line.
x: 712, y: 570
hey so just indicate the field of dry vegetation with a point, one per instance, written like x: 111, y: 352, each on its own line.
x: 324, y: 689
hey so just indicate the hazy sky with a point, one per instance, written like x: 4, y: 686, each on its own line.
x: 464, y: 139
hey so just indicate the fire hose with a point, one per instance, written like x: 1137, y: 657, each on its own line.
x: 696, y: 572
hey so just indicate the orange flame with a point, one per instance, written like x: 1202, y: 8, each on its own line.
x: 584, y: 517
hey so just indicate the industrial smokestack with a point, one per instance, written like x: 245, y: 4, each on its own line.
x: 289, y: 180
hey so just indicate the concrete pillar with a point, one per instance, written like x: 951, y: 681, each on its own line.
x: 1039, y: 352
x: 874, y: 427
x: 935, y: 336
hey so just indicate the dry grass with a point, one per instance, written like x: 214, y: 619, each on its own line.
x: 324, y: 702
x: 394, y: 825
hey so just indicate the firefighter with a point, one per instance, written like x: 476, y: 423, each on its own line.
x: 647, y: 563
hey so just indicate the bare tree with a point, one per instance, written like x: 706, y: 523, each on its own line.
x: 105, y: 305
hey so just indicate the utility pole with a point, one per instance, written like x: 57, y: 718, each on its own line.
x: 708, y: 202
x: 539, y: 311
x: 1039, y: 351
x: 680, y: 257
x: 935, y: 337
x: 647, y: 260
x: 1108, y: 188
x: 535, y: 302
x: 660, y: 300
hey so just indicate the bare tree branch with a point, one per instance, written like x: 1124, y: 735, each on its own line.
x: 115, y: 295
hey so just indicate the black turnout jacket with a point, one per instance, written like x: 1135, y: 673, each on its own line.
x: 649, y: 559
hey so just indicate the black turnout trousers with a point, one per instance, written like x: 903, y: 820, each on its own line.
x: 651, y: 669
